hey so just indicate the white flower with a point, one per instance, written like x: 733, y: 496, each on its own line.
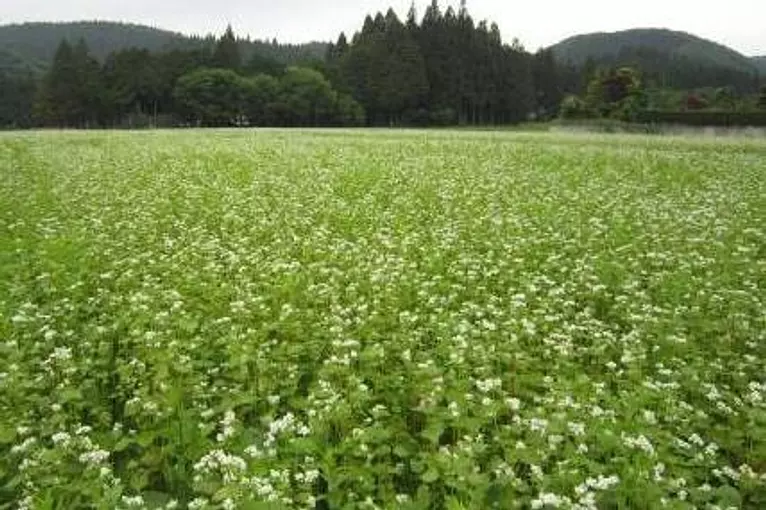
x: 61, y: 438
x: 513, y: 404
x: 253, y: 451
x: 489, y: 385
x: 24, y: 446
x: 83, y: 430
x: 133, y: 501
x: 546, y: 500
x: 197, y: 504
x: 639, y: 443
x: 538, y: 425
x: 227, y: 426
x: 94, y: 457
x: 576, y: 429
x: 61, y: 354
x: 218, y: 459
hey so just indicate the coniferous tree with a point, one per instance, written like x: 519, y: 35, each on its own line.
x: 547, y: 83
x: 17, y: 94
x: 762, y: 98
x: 132, y: 85
x: 227, y: 53
x: 72, y: 93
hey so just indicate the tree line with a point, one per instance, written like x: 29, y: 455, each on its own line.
x: 208, y: 87
x: 442, y: 69
x: 445, y: 69
x: 623, y: 94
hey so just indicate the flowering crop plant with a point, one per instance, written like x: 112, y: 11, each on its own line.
x: 381, y: 319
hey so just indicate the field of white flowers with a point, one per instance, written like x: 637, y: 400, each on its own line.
x: 374, y: 319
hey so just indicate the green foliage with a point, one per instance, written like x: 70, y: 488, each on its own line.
x: 676, y: 46
x: 259, y: 64
x: 133, y: 84
x: 443, y: 71
x: 762, y: 98
x: 705, y: 118
x: 572, y: 107
x: 36, y: 43
x: 547, y: 82
x: 301, y: 97
x: 17, y: 90
x: 308, y: 97
x: 288, y: 319
x: 261, y: 92
x: 227, y: 54
x: 72, y: 92
x: 212, y: 97
x: 616, y: 93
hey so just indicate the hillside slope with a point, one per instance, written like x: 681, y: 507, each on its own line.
x: 760, y: 64
x: 674, y: 44
x: 11, y: 62
x: 36, y: 43
x: 665, y: 58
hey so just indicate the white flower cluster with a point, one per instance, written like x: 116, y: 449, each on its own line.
x: 513, y: 403
x: 640, y: 442
x: 94, y: 457
x: 284, y: 425
x: 601, y: 483
x: 133, y: 501
x: 227, y: 426
x: 230, y: 467
x: 538, y: 425
x: 61, y: 439
x: 24, y: 446
x: 576, y: 429
x: 549, y: 500
x: 489, y: 385
x: 307, y: 477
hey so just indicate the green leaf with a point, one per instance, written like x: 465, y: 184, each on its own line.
x: 430, y: 476
x: 729, y: 497
x: 145, y: 439
x: 139, y: 480
x: 454, y: 504
x: 70, y: 395
x: 7, y: 435
x: 123, y: 444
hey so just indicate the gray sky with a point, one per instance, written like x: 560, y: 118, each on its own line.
x: 736, y: 23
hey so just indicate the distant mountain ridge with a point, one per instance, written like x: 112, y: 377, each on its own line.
x: 665, y: 58
x: 760, y: 64
x: 35, y: 43
x: 675, y: 44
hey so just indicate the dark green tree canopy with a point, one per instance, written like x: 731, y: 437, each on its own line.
x: 227, y: 54
x: 444, y: 68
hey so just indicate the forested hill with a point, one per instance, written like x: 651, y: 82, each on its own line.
x: 35, y: 44
x: 598, y: 45
x: 670, y: 58
x: 760, y: 63
x: 11, y: 62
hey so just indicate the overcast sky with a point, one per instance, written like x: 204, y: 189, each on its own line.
x: 740, y: 24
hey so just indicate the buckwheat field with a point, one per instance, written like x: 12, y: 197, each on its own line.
x: 375, y: 319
